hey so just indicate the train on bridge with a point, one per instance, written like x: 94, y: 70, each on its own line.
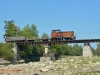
x: 56, y: 35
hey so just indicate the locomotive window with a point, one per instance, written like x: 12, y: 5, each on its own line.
x: 58, y: 30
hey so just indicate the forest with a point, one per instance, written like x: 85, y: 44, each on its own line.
x: 36, y: 51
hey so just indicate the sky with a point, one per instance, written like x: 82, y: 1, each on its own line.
x: 80, y: 16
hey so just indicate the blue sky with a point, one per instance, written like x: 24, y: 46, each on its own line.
x: 80, y: 16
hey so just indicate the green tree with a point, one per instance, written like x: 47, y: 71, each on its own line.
x: 93, y: 50
x: 68, y: 50
x: 77, y: 50
x: 11, y: 29
x: 30, y: 50
x: 5, y: 51
x: 56, y: 49
x: 30, y: 32
x: 34, y: 30
x: 44, y: 36
x: 60, y: 49
x: 97, y: 52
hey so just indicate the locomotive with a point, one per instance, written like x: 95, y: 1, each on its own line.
x: 59, y: 35
x: 56, y: 35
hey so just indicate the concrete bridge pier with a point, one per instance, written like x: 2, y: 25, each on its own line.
x: 87, y: 52
x: 47, y: 49
x: 47, y: 55
x: 16, y: 49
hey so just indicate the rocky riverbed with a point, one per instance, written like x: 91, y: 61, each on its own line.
x: 64, y: 66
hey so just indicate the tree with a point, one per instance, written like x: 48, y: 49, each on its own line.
x: 77, y: 50
x: 44, y: 36
x: 30, y: 32
x: 5, y: 51
x: 68, y: 50
x: 93, y: 50
x: 34, y: 30
x: 60, y: 49
x: 30, y: 50
x: 98, y: 49
x: 11, y: 29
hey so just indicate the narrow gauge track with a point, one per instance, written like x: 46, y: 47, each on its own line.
x: 57, y: 42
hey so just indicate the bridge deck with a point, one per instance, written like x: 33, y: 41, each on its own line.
x: 59, y: 42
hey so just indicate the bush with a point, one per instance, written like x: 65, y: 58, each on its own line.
x: 5, y: 51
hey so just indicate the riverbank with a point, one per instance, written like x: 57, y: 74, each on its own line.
x: 74, y: 65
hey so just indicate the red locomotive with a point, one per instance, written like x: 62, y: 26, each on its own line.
x: 62, y: 35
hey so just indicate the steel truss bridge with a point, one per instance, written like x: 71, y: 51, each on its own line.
x: 46, y: 41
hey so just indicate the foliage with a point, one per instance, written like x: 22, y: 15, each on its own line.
x: 30, y: 50
x: 77, y: 50
x: 56, y: 49
x: 30, y: 32
x: 93, y: 50
x: 97, y: 52
x: 11, y: 29
x: 44, y: 36
x: 64, y: 49
x: 5, y: 51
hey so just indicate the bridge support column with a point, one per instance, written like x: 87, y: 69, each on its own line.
x: 47, y: 56
x: 87, y: 52
x: 47, y: 49
x: 16, y: 49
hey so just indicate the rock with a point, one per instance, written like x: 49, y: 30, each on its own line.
x: 75, y: 66
x: 21, y: 60
x: 98, y: 63
x: 71, y: 60
x: 42, y: 64
x: 66, y: 67
x: 49, y: 67
x: 43, y: 69
x: 59, y: 67
x: 50, y: 62
x: 63, y: 59
x: 51, y: 72
x: 80, y: 61
x: 36, y: 74
x: 90, y: 63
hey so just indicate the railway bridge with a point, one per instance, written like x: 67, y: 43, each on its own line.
x: 87, y: 52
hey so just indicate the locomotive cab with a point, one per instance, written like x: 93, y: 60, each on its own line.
x: 54, y: 35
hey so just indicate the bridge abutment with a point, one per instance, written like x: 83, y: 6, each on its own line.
x: 16, y: 55
x: 87, y: 52
x: 47, y: 56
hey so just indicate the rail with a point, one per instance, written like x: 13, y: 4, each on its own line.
x: 58, y: 42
